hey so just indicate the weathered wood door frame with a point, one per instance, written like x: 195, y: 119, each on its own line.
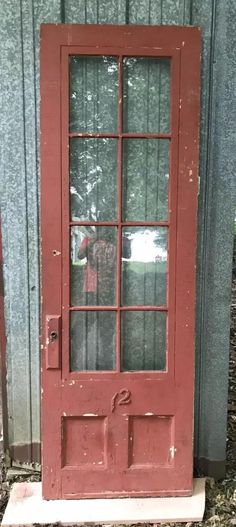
x: 182, y: 45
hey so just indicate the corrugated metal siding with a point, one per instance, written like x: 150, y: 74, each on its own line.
x: 216, y: 215
x: 19, y: 22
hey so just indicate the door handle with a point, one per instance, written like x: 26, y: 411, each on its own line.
x: 53, y: 342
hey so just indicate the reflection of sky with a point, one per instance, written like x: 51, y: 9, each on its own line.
x: 144, y: 248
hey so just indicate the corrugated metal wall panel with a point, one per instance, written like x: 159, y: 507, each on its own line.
x: 20, y: 21
x: 14, y: 227
x: 31, y: 178
x: 216, y: 215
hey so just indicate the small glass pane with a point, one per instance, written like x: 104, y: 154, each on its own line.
x: 145, y: 179
x: 93, y: 94
x: 143, y: 338
x: 146, y: 95
x: 144, y: 273
x: 92, y: 340
x: 93, y: 176
x: 93, y: 266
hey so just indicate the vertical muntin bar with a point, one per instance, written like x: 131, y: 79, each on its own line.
x: 119, y: 210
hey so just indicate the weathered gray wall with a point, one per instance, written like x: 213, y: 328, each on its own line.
x: 217, y: 203
x: 19, y: 179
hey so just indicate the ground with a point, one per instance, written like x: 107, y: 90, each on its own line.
x: 220, y: 496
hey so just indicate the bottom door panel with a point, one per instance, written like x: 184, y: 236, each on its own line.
x: 123, y: 442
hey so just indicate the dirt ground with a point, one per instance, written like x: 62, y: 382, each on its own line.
x: 220, y: 496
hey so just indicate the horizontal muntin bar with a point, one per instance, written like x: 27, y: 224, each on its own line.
x: 121, y: 308
x: 116, y: 223
x: 130, y: 135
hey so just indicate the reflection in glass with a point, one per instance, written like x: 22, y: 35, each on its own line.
x: 145, y: 179
x: 93, y: 176
x: 92, y: 340
x: 144, y: 274
x: 146, y: 95
x: 93, y: 94
x: 93, y: 266
x: 143, y: 338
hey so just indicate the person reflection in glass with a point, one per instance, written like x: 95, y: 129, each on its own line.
x: 99, y: 288
x: 99, y: 271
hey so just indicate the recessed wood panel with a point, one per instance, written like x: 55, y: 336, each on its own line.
x: 150, y: 440
x: 84, y: 441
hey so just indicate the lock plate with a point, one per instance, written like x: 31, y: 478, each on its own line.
x: 53, y: 341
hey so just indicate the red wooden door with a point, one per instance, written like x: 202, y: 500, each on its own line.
x: 119, y: 150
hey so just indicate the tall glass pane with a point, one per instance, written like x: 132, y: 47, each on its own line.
x: 144, y: 272
x: 93, y: 266
x: 143, y: 340
x: 92, y: 340
x: 145, y: 179
x: 146, y: 94
x: 93, y: 176
x: 93, y: 94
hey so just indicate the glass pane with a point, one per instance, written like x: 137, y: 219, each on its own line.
x: 145, y: 179
x: 92, y: 340
x: 143, y: 338
x: 93, y: 177
x: 93, y: 94
x: 93, y: 266
x: 146, y: 94
x: 144, y: 272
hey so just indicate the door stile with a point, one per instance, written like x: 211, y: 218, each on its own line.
x: 51, y: 251
x: 66, y: 233
x: 173, y: 201
x: 186, y: 244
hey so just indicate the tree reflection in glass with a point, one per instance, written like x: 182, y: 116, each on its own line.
x: 93, y: 176
x: 144, y: 274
